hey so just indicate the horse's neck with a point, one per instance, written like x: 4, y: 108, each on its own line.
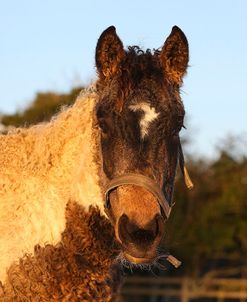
x: 64, y: 152
x: 77, y: 165
x: 62, y: 156
x: 41, y: 169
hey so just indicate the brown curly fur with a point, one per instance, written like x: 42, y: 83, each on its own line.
x: 79, y: 268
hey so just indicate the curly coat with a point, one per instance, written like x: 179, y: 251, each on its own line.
x: 79, y: 268
x: 41, y: 168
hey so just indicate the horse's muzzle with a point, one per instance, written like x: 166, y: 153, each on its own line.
x: 140, y: 244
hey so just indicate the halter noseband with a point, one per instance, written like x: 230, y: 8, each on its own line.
x: 141, y: 181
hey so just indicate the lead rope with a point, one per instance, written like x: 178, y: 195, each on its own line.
x: 189, y: 184
x: 187, y: 179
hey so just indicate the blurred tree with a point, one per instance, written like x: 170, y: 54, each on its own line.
x: 210, y: 222
x: 44, y: 106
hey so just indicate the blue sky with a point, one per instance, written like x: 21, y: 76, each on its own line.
x: 49, y: 45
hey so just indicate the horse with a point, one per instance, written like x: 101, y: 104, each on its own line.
x: 117, y: 148
x: 140, y: 114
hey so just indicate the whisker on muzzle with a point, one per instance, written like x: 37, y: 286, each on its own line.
x: 160, y: 263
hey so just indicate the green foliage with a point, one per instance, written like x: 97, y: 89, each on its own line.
x: 210, y: 222
x: 41, y: 109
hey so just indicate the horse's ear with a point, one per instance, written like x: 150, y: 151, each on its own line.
x: 109, y: 53
x: 175, y: 55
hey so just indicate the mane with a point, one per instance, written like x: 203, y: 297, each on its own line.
x: 39, y: 147
x: 42, y: 167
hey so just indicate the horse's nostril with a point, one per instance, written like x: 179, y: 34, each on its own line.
x: 142, y: 237
x: 129, y: 232
x: 154, y: 225
x: 123, y: 228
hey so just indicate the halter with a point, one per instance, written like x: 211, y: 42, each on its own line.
x: 146, y: 182
x: 141, y: 181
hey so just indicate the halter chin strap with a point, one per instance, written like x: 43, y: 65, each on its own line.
x: 141, y: 181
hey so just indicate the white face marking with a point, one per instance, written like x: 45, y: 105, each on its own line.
x: 149, y: 116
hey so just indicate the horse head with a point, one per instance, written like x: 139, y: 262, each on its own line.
x: 140, y: 114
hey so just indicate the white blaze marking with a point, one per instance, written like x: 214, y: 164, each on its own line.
x: 149, y: 116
